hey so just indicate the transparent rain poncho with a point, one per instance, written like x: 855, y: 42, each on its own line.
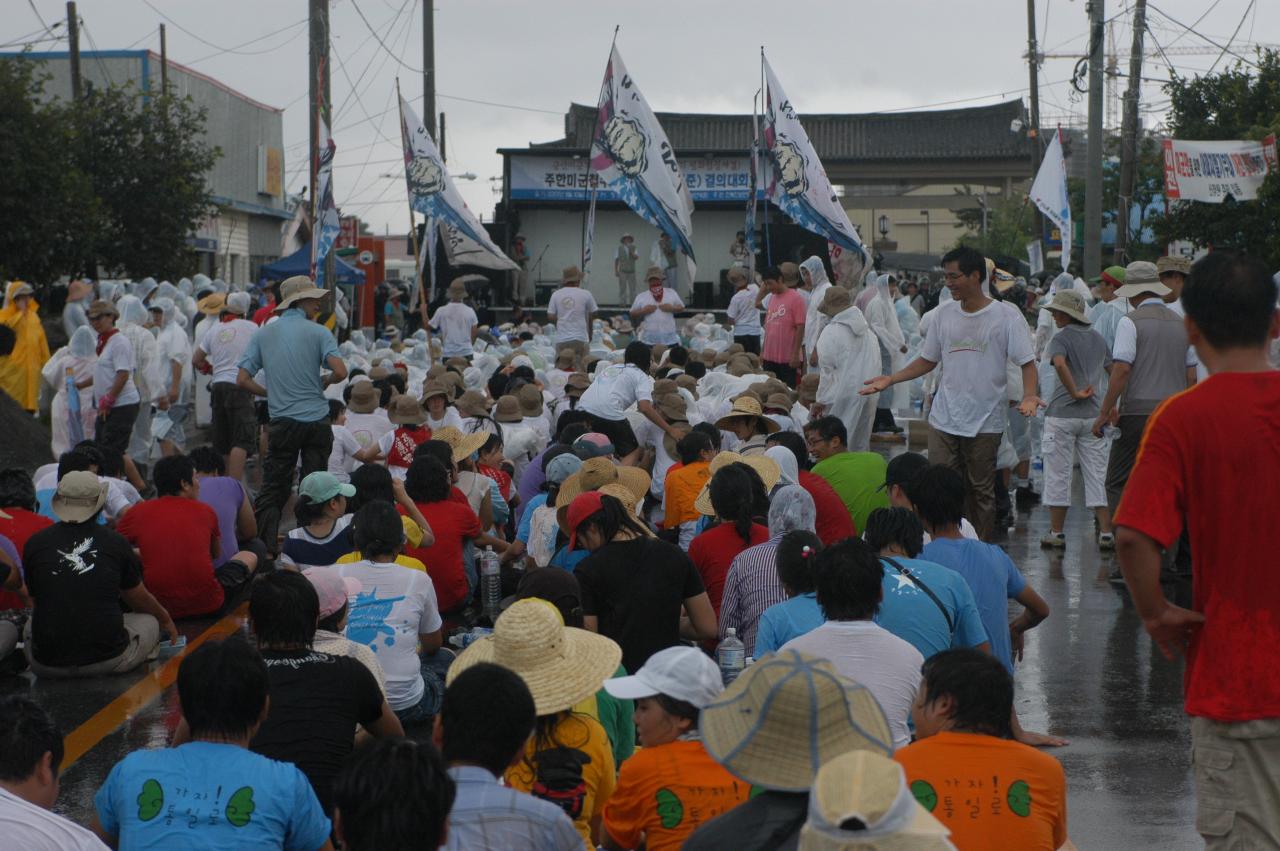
x: 791, y: 508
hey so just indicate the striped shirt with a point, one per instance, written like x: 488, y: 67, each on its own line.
x: 751, y: 586
x: 487, y: 815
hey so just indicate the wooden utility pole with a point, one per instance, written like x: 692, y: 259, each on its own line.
x: 429, y: 69
x: 1033, y: 132
x: 73, y: 46
x: 443, y: 157
x: 164, y: 63
x: 320, y: 110
x: 1093, y: 168
x: 1129, y: 134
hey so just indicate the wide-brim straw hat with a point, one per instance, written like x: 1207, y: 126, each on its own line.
x: 364, y: 398
x: 595, y: 473
x: 530, y: 398
x: 508, y: 410
x: 100, y: 306
x: 561, y: 665
x: 297, y: 288
x: 747, y: 406
x: 872, y: 790
x: 212, y: 304
x: 766, y: 468
x: 463, y: 445
x: 406, y: 410
x: 472, y: 403
x: 786, y: 716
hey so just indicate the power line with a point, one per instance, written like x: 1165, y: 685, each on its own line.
x: 1225, y: 48
x: 379, y: 38
x: 238, y: 52
x: 97, y: 54
x: 1247, y: 9
x: 204, y: 41
x: 500, y: 105
x: 36, y: 12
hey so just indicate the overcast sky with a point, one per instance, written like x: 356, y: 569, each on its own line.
x: 698, y: 55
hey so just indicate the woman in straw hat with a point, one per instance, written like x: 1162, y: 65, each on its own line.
x: 568, y: 760
x: 672, y: 785
x: 436, y: 398
x: 644, y: 610
x: 746, y: 422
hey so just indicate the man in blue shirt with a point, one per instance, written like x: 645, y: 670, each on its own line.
x: 924, y: 603
x: 212, y: 792
x: 293, y: 349
x: 487, y: 716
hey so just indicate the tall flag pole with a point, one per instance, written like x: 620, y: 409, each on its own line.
x: 432, y: 192
x: 797, y: 182
x: 1049, y: 193
x: 633, y: 158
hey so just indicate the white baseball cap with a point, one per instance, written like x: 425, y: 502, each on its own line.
x: 685, y: 673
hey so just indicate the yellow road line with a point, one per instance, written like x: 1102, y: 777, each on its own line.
x: 138, y: 696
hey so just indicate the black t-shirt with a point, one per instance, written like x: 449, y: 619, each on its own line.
x: 635, y: 589
x: 316, y: 702
x: 770, y: 821
x: 75, y: 572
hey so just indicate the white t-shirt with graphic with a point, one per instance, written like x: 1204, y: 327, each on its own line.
x: 571, y: 306
x: 454, y: 322
x: 224, y: 344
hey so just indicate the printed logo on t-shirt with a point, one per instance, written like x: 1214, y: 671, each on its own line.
x: 368, y: 623
x: 966, y: 344
x: 973, y: 804
x: 193, y: 802
x: 81, y: 558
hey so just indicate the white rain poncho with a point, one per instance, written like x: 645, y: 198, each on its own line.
x: 848, y: 355
x: 791, y: 508
x: 201, y: 282
x: 786, y: 461
x: 883, y: 319
x: 109, y: 291
x: 144, y: 288
x: 814, y: 320
x: 146, y: 371
x: 174, y: 347
x: 79, y: 355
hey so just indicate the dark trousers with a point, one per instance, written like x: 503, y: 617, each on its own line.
x: 1124, y: 452
x: 286, y: 441
x: 785, y: 372
x: 116, y: 428
x: 749, y: 342
x: 619, y: 432
x: 974, y: 458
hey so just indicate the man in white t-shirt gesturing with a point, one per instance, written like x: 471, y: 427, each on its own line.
x: 655, y: 309
x: 219, y: 349
x: 971, y: 336
x: 456, y: 323
x: 615, y: 389
x: 571, y: 308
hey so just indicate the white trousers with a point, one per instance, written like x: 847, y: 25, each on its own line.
x: 1064, y: 440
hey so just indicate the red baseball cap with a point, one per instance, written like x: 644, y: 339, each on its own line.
x: 582, y: 507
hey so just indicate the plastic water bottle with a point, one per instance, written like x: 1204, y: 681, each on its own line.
x: 732, y: 656
x: 1037, y: 472
x: 490, y: 584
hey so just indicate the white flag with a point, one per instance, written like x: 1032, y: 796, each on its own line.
x: 1049, y: 193
x: 797, y: 181
x: 433, y: 193
x: 631, y: 153
x: 462, y: 250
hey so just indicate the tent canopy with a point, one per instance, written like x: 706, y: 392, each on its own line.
x: 299, y: 263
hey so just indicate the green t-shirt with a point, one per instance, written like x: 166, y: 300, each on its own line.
x: 856, y: 477
x: 616, y: 716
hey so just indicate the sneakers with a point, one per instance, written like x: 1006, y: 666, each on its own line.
x: 1054, y: 540
x: 1107, y: 541
x: 1026, y: 496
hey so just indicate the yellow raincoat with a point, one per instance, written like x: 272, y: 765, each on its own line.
x: 20, y: 371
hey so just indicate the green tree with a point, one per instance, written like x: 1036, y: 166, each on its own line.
x: 1010, y: 225
x: 48, y: 207
x: 1239, y: 103
x: 148, y: 162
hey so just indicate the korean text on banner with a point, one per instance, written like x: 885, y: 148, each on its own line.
x: 1210, y: 171
x: 631, y: 154
x: 796, y: 180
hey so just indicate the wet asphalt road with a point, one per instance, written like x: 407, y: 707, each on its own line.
x: 1090, y: 675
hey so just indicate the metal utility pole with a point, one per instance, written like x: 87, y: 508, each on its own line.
x: 429, y: 68
x: 164, y: 63
x: 443, y: 156
x: 73, y: 45
x: 1033, y: 132
x: 1093, y: 167
x: 1129, y: 133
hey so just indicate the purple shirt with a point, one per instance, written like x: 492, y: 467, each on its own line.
x: 224, y: 495
x: 531, y: 480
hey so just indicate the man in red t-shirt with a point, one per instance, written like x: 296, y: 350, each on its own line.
x: 783, y: 326
x: 1199, y: 448
x: 177, y: 537
x: 18, y: 502
x: 834, y: 522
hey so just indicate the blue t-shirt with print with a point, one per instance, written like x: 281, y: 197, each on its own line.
x: 992, y: 577
x: 909, y: 613
x: 203, y: 795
